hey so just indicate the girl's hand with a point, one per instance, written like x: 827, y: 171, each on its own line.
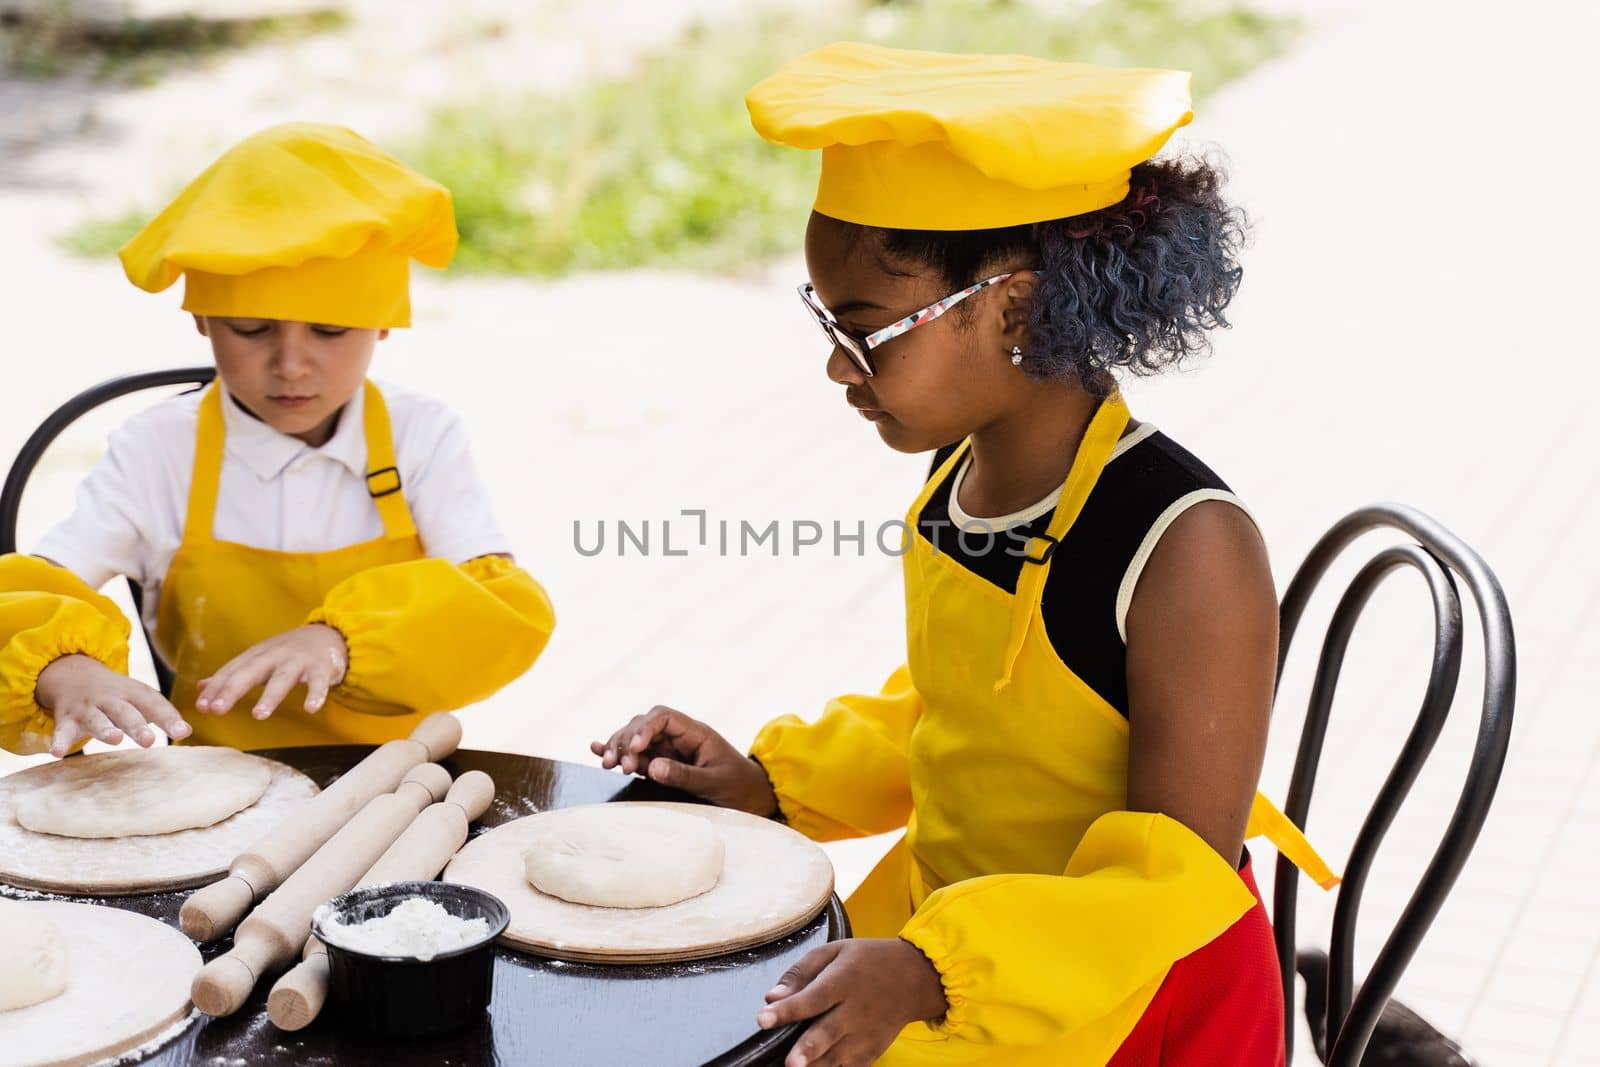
x: 314, y: 654
x: 89, y: 699
x: 862, y: 992
x: 667, y: 746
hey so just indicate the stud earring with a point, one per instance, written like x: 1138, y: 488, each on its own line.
x: 1016, y: 355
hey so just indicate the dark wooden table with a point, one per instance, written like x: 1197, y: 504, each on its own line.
x: 544, y: 1011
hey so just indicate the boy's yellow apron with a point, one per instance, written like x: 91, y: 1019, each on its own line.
x: 220, y: 598
x: 1013, y: 759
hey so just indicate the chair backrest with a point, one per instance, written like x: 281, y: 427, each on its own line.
x: 34, y: 447
x: 1443, y: 559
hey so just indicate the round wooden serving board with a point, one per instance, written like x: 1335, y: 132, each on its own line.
x: 774, y: 881
x: 127, y: 982
x: 113, y: 867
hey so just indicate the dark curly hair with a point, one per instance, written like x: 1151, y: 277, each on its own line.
x: 1136, y: 286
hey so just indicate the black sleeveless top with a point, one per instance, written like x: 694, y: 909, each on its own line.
x: 1149, y: 481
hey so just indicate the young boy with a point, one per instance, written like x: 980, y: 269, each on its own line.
x: 318, y: 558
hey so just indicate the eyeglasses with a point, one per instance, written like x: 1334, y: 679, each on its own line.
x: 859, y: 348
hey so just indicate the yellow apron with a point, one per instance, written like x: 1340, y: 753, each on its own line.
x: 220, y: 598
x: 1009, y: 776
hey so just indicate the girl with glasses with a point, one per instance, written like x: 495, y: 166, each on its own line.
x: 1073, y: 744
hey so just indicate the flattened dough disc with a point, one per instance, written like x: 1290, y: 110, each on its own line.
x: 109, y: 867
x: 128, y: 981
x: 774, y: 881
x: 624, y: 855
x: 144, y: 791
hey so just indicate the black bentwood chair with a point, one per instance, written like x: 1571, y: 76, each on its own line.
x: 1443, y: 559
x: 35, y: 446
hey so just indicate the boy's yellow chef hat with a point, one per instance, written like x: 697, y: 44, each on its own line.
x: 934, y: 141
x: 304, y: 222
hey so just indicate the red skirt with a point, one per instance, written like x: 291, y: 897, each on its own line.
x: 1222, y: 1004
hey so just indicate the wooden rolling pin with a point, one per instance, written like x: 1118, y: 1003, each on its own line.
x: 276, y: 930
x: 212, y: 911
x: 418, y: 856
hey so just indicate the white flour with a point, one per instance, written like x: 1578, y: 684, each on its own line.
x: 417, y: 927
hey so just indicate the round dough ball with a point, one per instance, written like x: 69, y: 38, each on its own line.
x: 33, y: 957
x: 623, y: 856
x: 137, y: 792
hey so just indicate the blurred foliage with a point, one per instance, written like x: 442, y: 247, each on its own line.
x: 661, y: 168
x: 52, y: 43
x: 102, y: 237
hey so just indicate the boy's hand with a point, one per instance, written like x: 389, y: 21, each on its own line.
x: 89, y: 699
x: 314, y: 654
x: 862, y: 992
x: 667, y: 746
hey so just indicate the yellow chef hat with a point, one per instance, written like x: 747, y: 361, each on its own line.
x: 304, y: 222
x: 930, y: 140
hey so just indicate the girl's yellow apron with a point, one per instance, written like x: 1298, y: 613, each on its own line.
x: 220, y: 598
x: 1007, y: 776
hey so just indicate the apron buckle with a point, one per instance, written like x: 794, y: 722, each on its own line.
x: 1049, y: 549
x: 387, y: 489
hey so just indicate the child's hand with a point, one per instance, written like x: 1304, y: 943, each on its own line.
x: 89, y: 699
x: 862, y: 992
x: 314, y: 654
x: 667, y: 746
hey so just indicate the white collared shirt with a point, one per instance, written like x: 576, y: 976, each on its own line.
x: 276, y: 492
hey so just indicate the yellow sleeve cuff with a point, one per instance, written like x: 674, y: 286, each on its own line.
x: 36, y: 629
x: 428, y: 635
x: 847, y: 774
x: 1027, y: 959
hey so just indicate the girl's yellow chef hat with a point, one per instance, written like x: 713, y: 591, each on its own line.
x: 929, y: 140
x: 304, y: 222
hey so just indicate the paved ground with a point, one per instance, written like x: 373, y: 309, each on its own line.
x: 1412, y: 328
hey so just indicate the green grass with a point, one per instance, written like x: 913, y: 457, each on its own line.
x: 138, y: 51
x: 661, y: 167
x: 102, y: 237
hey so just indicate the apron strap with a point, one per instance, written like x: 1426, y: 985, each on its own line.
x: 208, y: 440
x: 383, y: 477
x: 1099, y: 440
x: 1266, y: 820
x: 936, y: 479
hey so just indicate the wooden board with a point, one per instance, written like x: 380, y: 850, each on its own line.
x: 774, y: 881
x: 127, y: 983
x: 110, y: 867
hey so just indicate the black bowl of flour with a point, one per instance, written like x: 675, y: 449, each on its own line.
x: 402, y: 967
